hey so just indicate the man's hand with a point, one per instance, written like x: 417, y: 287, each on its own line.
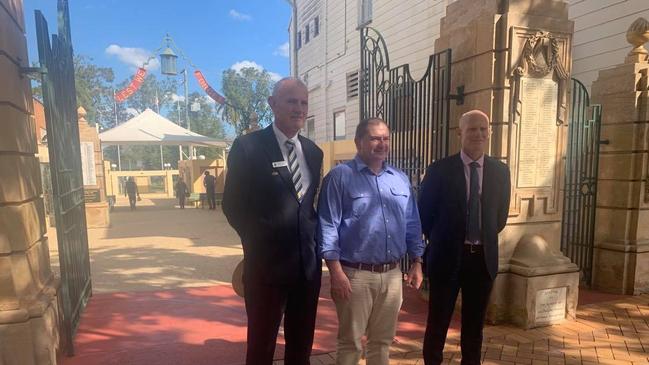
x: 414, y: 276
x: 341, y: 288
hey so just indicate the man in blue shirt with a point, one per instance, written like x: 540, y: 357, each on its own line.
x: 368, y: 221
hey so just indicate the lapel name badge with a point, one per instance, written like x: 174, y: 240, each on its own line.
x: 277, y: 164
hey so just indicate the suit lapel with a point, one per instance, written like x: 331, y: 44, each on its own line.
x: 460, y: 181
x: 274, y: 154
x: 487, y: 184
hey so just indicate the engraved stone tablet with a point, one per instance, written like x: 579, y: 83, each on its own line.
x: 538, y: 132
x: 550, y: 305
x: 88, y: 163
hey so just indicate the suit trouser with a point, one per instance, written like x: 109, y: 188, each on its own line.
x: 211, y: 198
x: 372, y: 309
x: 265, y: 306
x: 476, y: 283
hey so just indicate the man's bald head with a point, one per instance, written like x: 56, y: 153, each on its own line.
x: 474, y: 114
x: 474, y: 133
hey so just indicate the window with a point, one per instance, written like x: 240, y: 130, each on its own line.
x: 364, y: 13
x: 307, y: 34
x: 339, y: 126
x: 316, y: 26
x: 352, y: 85
x: 310, y: 128
x: 298, y: 40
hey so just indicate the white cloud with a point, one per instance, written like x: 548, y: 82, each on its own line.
x: 275, y: 76
x: 252, y: 64
x: 246, y: 64
x: 282, y: 50
x: 134, y: 57
x: 239, y: 16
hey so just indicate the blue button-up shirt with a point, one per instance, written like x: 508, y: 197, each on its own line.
x: 366, y: 217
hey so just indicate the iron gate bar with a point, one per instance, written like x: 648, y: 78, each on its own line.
x: 417, y: 111
x: 580, y: 195
x: 59, y: 100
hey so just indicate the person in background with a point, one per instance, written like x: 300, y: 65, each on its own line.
x: 130, y: 189
x: 209, y: 182
x: 181, y: 193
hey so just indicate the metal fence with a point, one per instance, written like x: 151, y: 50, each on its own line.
x: 59, y: 97
x: 580, y: 196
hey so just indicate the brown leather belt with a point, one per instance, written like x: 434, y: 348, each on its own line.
x: 380, y: 268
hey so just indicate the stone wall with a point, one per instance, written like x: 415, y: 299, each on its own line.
x: 29, y: 318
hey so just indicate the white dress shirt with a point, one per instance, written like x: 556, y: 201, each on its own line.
x: 304, y: 167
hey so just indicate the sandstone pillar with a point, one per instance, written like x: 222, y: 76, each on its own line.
x: 94, y: 180
x: 29, y: 319
x: 513, y: 58
x: 621, y: 257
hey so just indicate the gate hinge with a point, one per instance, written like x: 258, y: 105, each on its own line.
x: 459, y: 97
x: 604, y: 141
x: 32, y: 72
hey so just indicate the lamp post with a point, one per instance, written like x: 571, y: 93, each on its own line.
x: 168, y: 66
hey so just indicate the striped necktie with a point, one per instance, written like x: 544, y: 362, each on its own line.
x: 294, y: 168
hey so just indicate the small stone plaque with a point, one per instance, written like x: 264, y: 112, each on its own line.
x: 91, y: 195
x: 550, y: 305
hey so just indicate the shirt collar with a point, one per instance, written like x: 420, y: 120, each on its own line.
x: 467, y: 160
x: 360, y: 166
x: 281, y: 137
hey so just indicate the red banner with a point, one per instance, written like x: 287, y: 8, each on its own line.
x: 135, y: 84
x: 208, y: 89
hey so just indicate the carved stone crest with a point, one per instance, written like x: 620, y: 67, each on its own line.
x: 540, y: 56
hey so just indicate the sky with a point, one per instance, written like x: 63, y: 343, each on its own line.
x: 215, y: 35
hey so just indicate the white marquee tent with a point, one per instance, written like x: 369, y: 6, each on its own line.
x: 151, y: 128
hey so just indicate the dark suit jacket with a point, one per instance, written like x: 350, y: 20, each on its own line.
x: 260, y: 203
x: 443, y: 212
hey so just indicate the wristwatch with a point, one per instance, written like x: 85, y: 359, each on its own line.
x: 416, y: 259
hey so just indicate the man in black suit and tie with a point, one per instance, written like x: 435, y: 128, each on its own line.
x: 272, y: 179
x: 463, y: 205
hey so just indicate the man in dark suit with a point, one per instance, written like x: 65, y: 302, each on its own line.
x: 272, y: 179
x: 463, y: 205
x: 209, y: 182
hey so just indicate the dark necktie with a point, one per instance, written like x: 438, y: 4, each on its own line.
x: 473, y: 218
x: 294, y: 167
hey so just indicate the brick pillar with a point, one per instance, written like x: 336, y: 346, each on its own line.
x: 28, y: 289
x: 97, y: 210
x: 621, y: 258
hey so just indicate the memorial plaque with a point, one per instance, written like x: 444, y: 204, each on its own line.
x: 550, y: 305
x: 91, y: 195
x: 88, y: 163
x: 538, y: 132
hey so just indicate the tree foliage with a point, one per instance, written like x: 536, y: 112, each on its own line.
x: 247, y: 92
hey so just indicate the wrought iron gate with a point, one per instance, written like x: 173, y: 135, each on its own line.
x: 580, y: 196
x: 417, y: 111
x: 59, y: 99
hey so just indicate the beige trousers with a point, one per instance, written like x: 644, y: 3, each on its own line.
x: 372, y: 310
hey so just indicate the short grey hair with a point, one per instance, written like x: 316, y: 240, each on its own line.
x: 473, y: 113
x: 279, y: 84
